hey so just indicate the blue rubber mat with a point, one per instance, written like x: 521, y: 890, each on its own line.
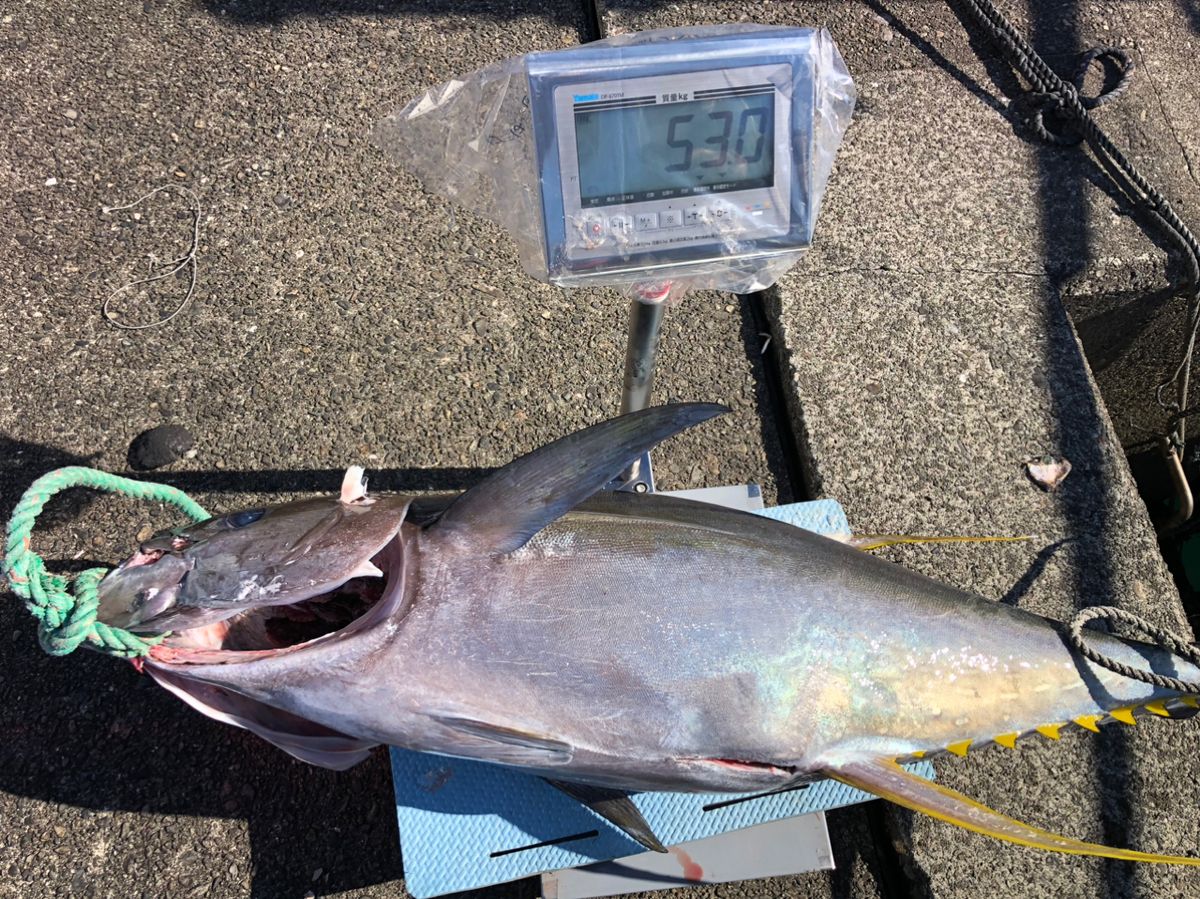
x: 468, y: 824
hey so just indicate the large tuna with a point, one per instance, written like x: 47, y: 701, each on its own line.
x: 608, y: 641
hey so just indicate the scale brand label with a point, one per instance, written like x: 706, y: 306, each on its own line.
x: 588, y: 98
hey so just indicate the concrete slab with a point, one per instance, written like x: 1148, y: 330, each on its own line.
x: 342, y: 316
x: 1130, y: 328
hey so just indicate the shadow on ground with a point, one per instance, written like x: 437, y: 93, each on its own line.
x: 1191, y: 9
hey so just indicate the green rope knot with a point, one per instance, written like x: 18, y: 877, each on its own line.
x: 66, y: 619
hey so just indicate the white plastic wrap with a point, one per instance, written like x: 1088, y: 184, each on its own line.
x: 692, y: 157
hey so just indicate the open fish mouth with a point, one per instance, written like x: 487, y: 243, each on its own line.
x: 271, y: 630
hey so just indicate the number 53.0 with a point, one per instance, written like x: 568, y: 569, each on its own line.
x: 725, y: 117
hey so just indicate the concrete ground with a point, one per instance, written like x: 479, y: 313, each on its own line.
x: 344, y: 316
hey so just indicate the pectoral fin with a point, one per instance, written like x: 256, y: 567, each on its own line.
x: 888, y: 780
x: 500, y: 515
x: 878, y: 541
x: 507, y: 745
x: 306, y: 740
x: 615, y: 807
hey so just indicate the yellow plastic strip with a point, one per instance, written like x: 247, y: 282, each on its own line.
x: 889, y: 781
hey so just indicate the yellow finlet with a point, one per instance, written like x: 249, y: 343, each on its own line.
x: 1050, y: 731
x: 1158, y: 707
x: 1193, y: 701
x: 1089, y: 722
x: 919, y: 754
x: 1124, y: 715
x: 959, y: 748
x: 1007, y: 740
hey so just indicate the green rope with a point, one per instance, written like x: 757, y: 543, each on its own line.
x: 65, y: 620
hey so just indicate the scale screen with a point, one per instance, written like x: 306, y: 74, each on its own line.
x: 657, y: 158
x: 636, y: 151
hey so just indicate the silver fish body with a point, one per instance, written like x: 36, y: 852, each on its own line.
x: 623, y: 641
x: 652, y: 643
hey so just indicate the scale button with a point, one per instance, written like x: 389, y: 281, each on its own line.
x: 670, y: 218
x: 647, y: 221
x: 720, y: 212
x: 620, y: 224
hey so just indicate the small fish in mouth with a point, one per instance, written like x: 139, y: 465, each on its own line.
x: 610, y: 642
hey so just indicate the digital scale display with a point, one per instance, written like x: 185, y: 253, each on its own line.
x: 634, y: 150
x: 659, y: 156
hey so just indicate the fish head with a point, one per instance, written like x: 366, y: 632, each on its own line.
x: 278, y: 556
x: 256, y: 607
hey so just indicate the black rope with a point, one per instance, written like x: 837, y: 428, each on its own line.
x: 1167, y: 640
x: 1032, y: 107
x: 1064, y: 101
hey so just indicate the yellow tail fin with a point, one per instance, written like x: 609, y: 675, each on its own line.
x: 886, y: 779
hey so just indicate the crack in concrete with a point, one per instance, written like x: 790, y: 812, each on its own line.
x: 1187, y: 160
x: 923, y: 272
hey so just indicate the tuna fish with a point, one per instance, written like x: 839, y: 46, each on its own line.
x: 610, y: 641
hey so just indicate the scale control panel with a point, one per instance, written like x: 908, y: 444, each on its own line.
x: 666, y: 224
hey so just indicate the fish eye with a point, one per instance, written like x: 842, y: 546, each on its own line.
x: 241, y: 519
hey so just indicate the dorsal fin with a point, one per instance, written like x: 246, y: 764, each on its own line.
x: 502, y: 513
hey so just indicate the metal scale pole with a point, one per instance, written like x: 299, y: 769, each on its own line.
x: 645, y: 324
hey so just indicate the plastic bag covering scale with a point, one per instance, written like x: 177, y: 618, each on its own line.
x: 695, y: 157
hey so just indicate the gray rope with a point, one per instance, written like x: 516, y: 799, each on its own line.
x: 1051, y: 93
x: 1181, y: 647
x: 1034, y: 105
